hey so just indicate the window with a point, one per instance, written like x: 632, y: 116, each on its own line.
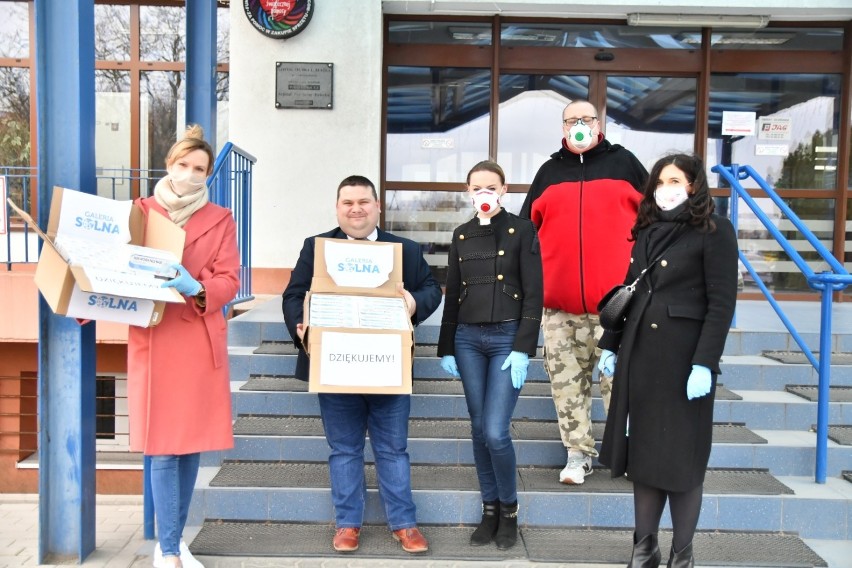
x: 437, y: 122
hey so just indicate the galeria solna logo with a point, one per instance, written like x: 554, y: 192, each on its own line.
x: 279, y: 19
x: 113, y: 303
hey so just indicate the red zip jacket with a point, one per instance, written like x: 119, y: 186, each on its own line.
x: 584, y: 206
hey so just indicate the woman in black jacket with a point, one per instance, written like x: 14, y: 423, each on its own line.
x: 666, y: 359
x: 492, y: 315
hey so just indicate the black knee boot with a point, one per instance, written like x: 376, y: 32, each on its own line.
x: 484, y: 533
x: 507, y: 529
x: 682, y: 559
x: 646, y: 552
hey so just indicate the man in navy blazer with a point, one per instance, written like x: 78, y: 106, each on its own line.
x: 347, y: 418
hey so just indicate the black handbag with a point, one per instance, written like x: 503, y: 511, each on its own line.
x: 615, y: 305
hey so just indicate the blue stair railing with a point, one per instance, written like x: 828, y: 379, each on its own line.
x: 20, y: 183
x: 826, y: 283
x: 230, y: 187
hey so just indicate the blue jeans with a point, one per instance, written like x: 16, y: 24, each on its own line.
x: 172, y: 483
x: 346, y: 419
x: 481, y: 349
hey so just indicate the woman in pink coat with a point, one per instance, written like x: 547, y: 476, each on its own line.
x: 178, y: 380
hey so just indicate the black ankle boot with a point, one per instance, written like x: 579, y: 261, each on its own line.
x: 507, y: 529
x: 646, y: 552
x: 682, y: 559
x: 484, y: 533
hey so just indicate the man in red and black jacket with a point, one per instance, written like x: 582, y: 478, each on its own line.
x: 584, y: 201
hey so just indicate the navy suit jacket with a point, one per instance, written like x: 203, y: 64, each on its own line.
x: 416, y: 276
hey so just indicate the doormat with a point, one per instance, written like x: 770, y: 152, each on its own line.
x: 798, y: 358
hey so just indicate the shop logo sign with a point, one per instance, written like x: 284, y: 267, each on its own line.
x: 279, y: 19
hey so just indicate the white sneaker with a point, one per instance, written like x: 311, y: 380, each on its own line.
x: 578, y: 467
x: 186, y: 557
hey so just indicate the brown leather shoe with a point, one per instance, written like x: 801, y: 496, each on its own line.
x: 346, y: 539
x: 412, y: 540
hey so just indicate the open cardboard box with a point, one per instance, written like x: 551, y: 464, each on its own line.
x: 358, y: 357
x: 77, y: 282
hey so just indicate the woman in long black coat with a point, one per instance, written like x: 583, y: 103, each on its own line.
x: 666, y: 359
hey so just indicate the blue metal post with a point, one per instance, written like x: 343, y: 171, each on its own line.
x: 65, y: 79
x: 147, y: 500
x: 734, y: 208
x: 201, y: 66
x: 824, y: 382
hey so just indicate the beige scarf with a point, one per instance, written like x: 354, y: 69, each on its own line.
x: 180, y: 208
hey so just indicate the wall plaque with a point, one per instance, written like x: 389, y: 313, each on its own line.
x: 303, y: 85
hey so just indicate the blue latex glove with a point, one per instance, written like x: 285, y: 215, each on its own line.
x: 699, y: 382
x: 448, y: 363
x: 519, y: 363
x: 183, y: 282
x: 606, y: 364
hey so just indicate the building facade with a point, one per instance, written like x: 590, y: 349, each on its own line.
x: 416, y: 92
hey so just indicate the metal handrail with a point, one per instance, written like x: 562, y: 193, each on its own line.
x: 230, y: 186
x: 827, y: 282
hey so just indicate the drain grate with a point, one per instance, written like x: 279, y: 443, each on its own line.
x: 271, y: 474
x: 716, y: 549
x: 315, y: 475
x: 276, y: 348
x: 255, y: 539
x: 724, y: 394
x: 454, y: 386
x: 274, y: 383
x: 559, y: 545
x: 730, y: 433
x: 735, y: 433
x: 547, y: 479
x: 278, y: 426
x: 847, y: 475
x: 798, y: 358
x: 463, y: 478
x: 811, y: 393
x: 457, y: 429
x: 743, y: 481
x: 840, y: 434
x: 285, y: 383
x: 437, y: 386
x: 452, y: 429
x: 716, y: 482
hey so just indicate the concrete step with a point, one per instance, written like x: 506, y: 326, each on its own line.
x: 442, y: 398
x: 732, y: 500
x: 235, y: 544
x: 756, y: 328
x: 738, y: 371
x: 447, y: 441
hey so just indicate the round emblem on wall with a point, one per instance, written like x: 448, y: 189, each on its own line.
x: 279, y: 19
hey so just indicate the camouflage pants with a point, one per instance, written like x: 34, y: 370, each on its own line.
x: 570, y: 356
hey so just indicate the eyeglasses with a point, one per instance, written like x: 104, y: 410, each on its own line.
x: 587, y: 120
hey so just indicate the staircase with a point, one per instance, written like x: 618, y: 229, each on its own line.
x: 269, y: 496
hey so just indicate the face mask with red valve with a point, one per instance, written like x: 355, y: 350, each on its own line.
x: 486, y: 201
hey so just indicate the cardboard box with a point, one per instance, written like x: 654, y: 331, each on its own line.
x: 100, y: 261
x: 359, y: 334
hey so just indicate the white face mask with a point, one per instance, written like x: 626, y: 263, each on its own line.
x: 486, y: 201
x: 186, y: 183
x: 670, y: 196
x: 580, y: 137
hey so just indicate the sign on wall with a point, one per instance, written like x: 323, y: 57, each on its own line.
x: 279, y: 19
x: 303, y: 85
